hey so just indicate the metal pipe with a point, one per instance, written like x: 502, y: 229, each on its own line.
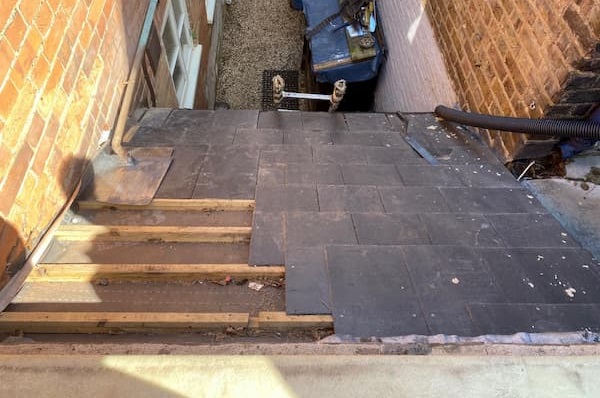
x: 322, y: 97
x: 117, y: 139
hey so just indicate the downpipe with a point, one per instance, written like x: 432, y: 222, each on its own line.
x: 547, y: 127
x: 117, y: 139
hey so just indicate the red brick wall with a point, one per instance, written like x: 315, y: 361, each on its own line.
x: 62, y: 68
x: 513, y: 57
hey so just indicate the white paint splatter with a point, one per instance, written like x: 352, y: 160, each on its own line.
x: 570, y: 292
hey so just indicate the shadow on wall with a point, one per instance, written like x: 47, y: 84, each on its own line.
x: 12, y: 251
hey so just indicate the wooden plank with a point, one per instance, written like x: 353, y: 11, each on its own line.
x: 144, y: 233
x: 178, y: 205
x: 92, y: 272
x: 111, y: 322
x: 281, y: 320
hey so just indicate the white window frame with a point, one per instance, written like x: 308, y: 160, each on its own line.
x: 185, y: 57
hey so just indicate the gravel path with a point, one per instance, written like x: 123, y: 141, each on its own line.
x: 257, y: 35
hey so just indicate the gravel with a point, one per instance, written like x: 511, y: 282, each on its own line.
x: 257, y: 35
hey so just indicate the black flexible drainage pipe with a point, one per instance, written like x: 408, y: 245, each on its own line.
x: 551, y: 127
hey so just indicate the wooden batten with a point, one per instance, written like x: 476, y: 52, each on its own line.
x: 111, y: 322
x: 143, y: 233
x: 281, y: 320
x: 178, y: 205
x: 187, y: 272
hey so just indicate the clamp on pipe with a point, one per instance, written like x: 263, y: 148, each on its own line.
x: 278, y: 86
x: 339, y: 90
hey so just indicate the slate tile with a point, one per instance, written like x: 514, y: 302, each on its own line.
x: 236, y: 118
x: 385, y: 174
x: 534, y: 318
x: 280, y: 120
x: 389, y: 229
x: 450, y: 274
x: 346, y: 138
x: 544, y: 275
x: 154, y: 117
x: 267, y: 242
x: 450, y: 319
x: 217, y: 165
x: 188, y: 118
x: 211, y: 135
x: 298, y: 137
x: 368, y: 121
x: 461, y: 230
x: 368, y: 139
x: 225, y: 186
x: 426, y: 125
x: 384, y: 155
x: 271, y: 173
x: 229, y: 150
x: 372, y: 294
x: 145, y: 136
x: 309, y: 229
x: 362, y: 321
x: 275, y: 198
x: 258, y: 137
x: 286, y: 154
x: 425, y: 175
x: 531, y: 230
x: 341, y: 154
x: 307, y: 282
x: 349, y: 198
x: 180, y: 180
x: 323, y: 121
x: 475, y: 155
x: 413, y: 200
x: 491, y: 200
x: 231, y: 159
x: 303, y: 173
x: 485, y: 176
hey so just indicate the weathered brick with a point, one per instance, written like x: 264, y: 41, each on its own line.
x: 513, y: 53
x: 7, y: 99
x: 15, y: 32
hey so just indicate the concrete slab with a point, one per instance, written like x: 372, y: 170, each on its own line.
x: 298, y: 376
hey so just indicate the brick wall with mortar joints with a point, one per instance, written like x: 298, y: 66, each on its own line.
x: 513, y: 57
x: 62, y: 68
